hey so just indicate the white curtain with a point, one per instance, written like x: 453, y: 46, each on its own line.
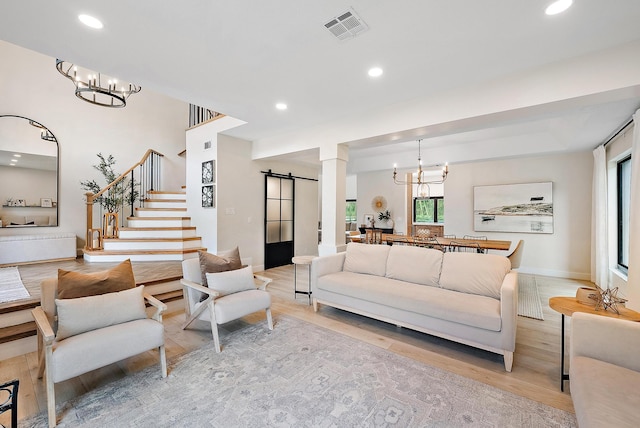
x: 633, y: 281
x: 599, y: 250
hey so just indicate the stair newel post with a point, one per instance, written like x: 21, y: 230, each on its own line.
x: 90, y: 201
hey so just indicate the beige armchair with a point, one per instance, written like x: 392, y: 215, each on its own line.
x: 229, y: 296
x: 75, y: 338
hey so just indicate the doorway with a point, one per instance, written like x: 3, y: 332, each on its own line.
x: 279, y: 221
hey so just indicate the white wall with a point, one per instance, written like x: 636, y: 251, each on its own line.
x: 380, y: 183
x: 31, y: 86
x: 565, y: 253
x: 26, y: 183
x: 238, y: 219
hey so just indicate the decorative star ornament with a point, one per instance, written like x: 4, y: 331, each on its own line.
x: 608, y: 299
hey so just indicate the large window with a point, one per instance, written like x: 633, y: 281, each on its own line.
x: 624, y: 199
x: 352, y: 214
x: 428, y: 210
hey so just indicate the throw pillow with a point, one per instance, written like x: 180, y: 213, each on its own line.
x: 76, y: 316
x: 232, y: 281
x: 224, y: 261
x: 72, y: 284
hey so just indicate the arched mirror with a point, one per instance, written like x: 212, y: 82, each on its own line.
x: 28, y: 173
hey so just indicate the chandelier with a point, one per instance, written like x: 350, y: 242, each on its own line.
x: 96, y: 88
x: 422, y: 183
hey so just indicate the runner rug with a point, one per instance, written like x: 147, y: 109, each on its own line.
x: 11, y: 286
x: 529, y: 304
x: 299, y: 375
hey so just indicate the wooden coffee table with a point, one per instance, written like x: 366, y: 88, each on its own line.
x: 568, y: 306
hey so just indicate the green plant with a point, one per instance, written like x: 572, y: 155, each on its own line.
x: 122, y: 193
x: 386, y: 216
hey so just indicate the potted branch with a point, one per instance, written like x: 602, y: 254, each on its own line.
x: 123, y: 192
x: 385, y: 216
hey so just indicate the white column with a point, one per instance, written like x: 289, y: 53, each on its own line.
x: 334, y: 180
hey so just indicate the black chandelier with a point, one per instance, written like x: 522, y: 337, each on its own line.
x: 93, y: 89
x: 423, y: 189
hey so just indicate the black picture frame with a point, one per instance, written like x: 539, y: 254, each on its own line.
x: 209, y: 196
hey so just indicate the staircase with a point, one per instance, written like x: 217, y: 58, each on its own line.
x: 158, y: 231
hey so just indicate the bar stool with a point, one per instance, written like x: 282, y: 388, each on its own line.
x: 301, y: 260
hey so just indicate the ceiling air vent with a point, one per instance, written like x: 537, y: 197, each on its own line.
x: 346, y: 25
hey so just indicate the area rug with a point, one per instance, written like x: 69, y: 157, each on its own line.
x: 299, y: 375
x: 529, y: 304
x: 11, y: 286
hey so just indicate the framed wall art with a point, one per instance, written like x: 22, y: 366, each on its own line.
x: 209, y: 196
x: 209, y: 172
x: 46, y: 202
x: 522, y: 208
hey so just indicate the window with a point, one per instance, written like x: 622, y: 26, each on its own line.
x: 428, y: 210
x: 352, y: 214
x: 624, y: 199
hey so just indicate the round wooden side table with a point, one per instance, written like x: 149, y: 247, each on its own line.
x: 568, y: 306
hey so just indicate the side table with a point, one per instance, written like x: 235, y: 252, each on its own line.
x: 568, y: 305
x: 301, y: 260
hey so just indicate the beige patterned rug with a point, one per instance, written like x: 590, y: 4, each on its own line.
x: 299, y: 375
x: 529, y: 304
x: 11, y: 286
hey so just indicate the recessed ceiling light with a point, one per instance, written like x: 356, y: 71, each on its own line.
x: 375, y: 72
x: 16, y: 155
x: 281, y: 106
x: 558, y: 6
x: 90, y: 21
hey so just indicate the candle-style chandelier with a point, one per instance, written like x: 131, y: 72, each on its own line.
x: 96, y: 88
x: 423, y: 189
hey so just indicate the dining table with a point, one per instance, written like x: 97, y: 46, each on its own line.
x: 482, y: 244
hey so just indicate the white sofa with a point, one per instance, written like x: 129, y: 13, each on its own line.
x: 605, y: 371
x: 465, y: 297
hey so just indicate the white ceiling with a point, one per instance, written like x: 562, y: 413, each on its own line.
x: 241, y: 57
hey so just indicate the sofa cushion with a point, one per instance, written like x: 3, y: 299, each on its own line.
x: 232, y: 281
x: 414, y: 264
x: 73, y: 284
x: 604, y: 394
x: 477, y: 311
x: 474, y: 273
x: 366, y: 258
x: 221, y: 262
x: 76, y: 316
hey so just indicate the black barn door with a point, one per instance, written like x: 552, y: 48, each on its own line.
x: 278, y: 215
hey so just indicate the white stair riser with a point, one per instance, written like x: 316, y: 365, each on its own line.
x: 165, y: 204
x: 15, y: 318
x: 146, y: 245
x: 150, y: 213
x: 155, y: 233
x: 138, y: 257
x: 178, y: 222
x: 166, y: 195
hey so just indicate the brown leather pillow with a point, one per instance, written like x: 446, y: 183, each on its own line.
x: 76, y: 284
x: 224, y: 261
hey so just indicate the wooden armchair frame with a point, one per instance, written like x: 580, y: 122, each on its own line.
x: 210, y: 302
x: 46, y: 337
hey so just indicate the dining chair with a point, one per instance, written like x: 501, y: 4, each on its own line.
x: 450, y: 248
x: 373, y: 236
x: 466, y: 247
x: 477, y: 238
x: 516, y: 255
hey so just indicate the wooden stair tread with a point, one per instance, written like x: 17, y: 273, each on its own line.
x: 19, y: 331
x: 135, y: 229
x: 161, y: 209
x: 158, y: 218
x: 165, y: 200
x: 169, y: 296
x: 20, y: 305
x: 161, y: 192
x: 138, y: 252
x: 190, y: 238
x: 160, y: 281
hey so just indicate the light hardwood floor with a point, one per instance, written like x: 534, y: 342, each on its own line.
x: 535, y: 375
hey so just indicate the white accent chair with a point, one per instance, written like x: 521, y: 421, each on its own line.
x: 64, y: 358
x: 216, y: 307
